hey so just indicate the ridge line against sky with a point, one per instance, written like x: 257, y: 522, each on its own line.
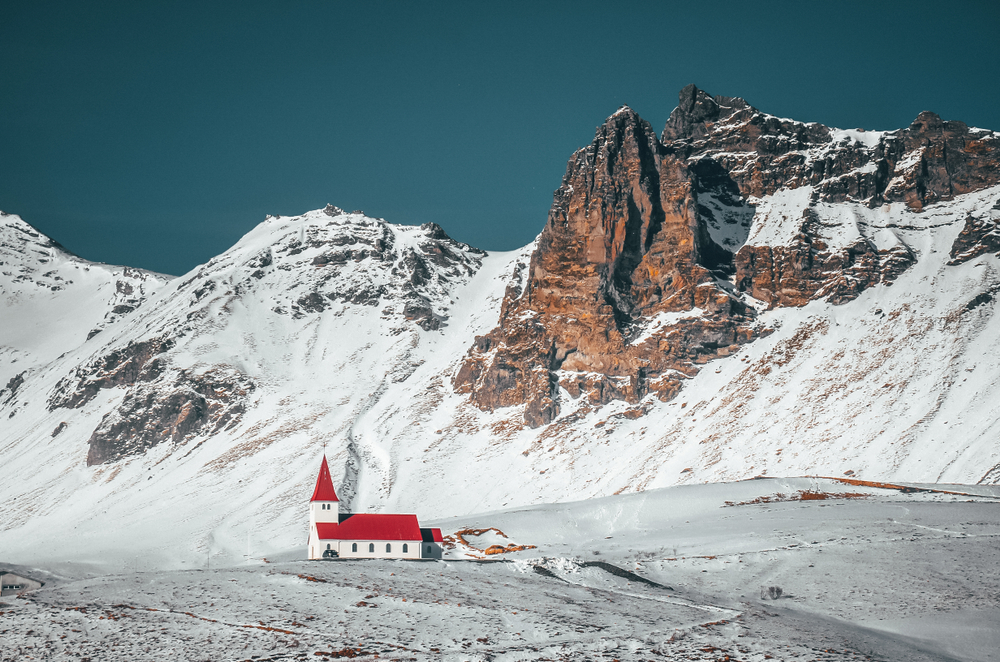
x: 156, y: 134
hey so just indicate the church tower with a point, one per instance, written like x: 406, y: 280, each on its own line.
x: 324, y: 507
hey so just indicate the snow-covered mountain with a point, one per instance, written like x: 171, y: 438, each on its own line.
x: 53, y: 301
x: 741, y: 296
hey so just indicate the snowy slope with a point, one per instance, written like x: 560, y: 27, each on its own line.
x: 294, y: 333
x: 52, y: 301
x: 866, y: 573
x: 210, y: 405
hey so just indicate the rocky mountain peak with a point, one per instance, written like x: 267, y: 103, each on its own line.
x: 621, y: 295
x: 17, y: 236
x: 43, y: 282
x: 653, y: 244
x: 696, y: 110
x: 294, y: 274
x: 623, y: 127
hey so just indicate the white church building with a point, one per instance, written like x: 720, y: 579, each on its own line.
x: 364, y: 535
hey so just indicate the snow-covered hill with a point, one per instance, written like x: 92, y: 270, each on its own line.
x: 53, y: 302
x: 201, y: 408
x: 865, y: 573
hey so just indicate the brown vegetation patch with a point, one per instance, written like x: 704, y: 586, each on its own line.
x: 500, y: 549
x: 506, y: 428
x: 905, y: 489
x: 460, y: 537
x: 258, y: 442
x: 343, y: 652
x: 262, y: 626
x: 310, y: 578
x: 801, y: 495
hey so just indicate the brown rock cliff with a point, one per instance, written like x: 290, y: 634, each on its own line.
x: 639, y: 272
x: 622, y: 245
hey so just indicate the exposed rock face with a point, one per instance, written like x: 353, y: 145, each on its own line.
x: 153, y: 413
x: 803, y: 249
x: 135, y: 363
x: 9, y: 392
x: 806, y: 270
x: 419, y: 272
x: 638, y: 274
x: 929, y: 161
x: 159, y: 405
x: 980, y: 235
x: 609, y: 306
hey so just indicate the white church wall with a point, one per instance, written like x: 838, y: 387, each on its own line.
x: 395, y: 551
x: 324, y: 511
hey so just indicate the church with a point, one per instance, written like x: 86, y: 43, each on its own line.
x: 334, y: 534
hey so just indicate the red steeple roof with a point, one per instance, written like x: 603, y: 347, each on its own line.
x: 324, y: 485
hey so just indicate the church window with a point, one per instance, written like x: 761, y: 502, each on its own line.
x: 328, y: 545
x: 388, y: 548
x: 406, y: 548
x: 354, y: 547
x: 371, y: 547
x: 428, y: 549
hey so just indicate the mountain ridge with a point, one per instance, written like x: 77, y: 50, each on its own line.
x: 668, y: 326
x: 641, y: 228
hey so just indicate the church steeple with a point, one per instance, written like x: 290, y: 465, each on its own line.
x: 324, y: 507
x: 324, y: 485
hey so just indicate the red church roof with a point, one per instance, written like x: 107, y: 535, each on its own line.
x: 371, y: 527
x: 324, y: 485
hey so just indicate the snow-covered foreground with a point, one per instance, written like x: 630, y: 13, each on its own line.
x: 676, y: 573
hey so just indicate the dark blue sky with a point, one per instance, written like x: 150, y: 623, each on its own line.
x: 156, y: 134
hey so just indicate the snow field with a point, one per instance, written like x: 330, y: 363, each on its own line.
x: 866, y: 573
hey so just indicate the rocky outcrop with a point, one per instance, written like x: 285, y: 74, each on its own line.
x: 135, y: 363
x: 806, y: 270
x: 929, y: 161
x: 934, y: 160
x: 9, y: 392
x: 621, y: 298
x: 981, y: 234
x: 158, y: 405
x: 188, y: 406
x: 638, y: 276
x: 824, y: 258
x: 367, y: 248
